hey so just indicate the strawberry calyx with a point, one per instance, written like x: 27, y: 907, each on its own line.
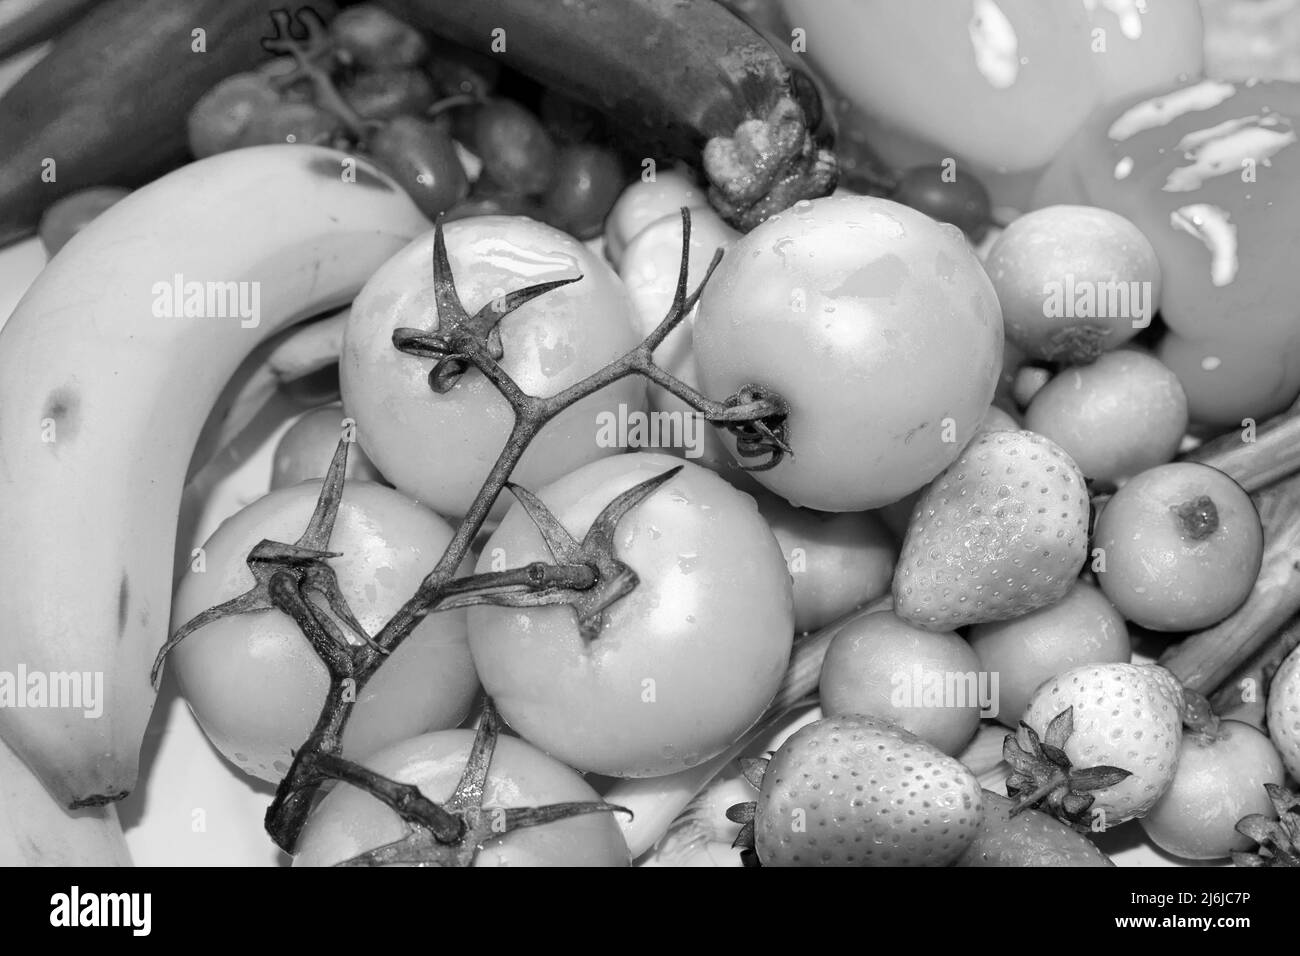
x: 1278, y: 840
x: 1199, y: 717
x: 1044, y: 777
x: 745, y: 813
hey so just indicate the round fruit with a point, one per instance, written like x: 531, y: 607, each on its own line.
x: 682, y: 665
x: 1074, y: 281
x: 1082, y: 628
x: 350, y: 821
x: 960, y: 200
x: 587, y: 182
x: 646, y: 201
x: 253, y: 681
x: 878, y: 328
x: 69, y: 215
x: 226, y: 115
x: 305, y: 449
x: 1120, y: 415
x: 927, y: 682
x: 371, y: 38
x: 291, y: 122
x: 1284, y: 712
x: 423, y: 159
x: 517, y: 152
x: 1231, y: 380
x: 837, y: 561
x: 385, y: 95
x: 1182, y: 546
x: 1220, y: 779
x: 439, y: 448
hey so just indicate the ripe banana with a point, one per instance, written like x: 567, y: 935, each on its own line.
x: 109, y: 366
x: 36, y: 831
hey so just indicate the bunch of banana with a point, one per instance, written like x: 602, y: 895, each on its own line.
x: 108, y: 369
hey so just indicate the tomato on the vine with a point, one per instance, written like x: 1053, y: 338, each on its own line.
x: 439, y: 448
x: 877, y: 326
x: 682, y: 665
x: 253, y: 680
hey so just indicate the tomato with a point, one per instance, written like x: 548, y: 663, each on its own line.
x: 925, y: 681
x: 439, y: 448
x: 1074, y: 281
x: 1118, y: 416
x: 878, y: 327
x: 837, y: 561
x: 1220, y: 779
x: 1182, y: 545
x: 253, y: 681
x: 1082, y: 628
x: 305, y: 449
x: 647, y: 200
x: 683, y: 665
x: 350, y: 821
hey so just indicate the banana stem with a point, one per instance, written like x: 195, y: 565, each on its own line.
x: 1272, y: 454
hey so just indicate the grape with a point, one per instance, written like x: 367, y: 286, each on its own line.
x: 69, y: 215
x: 457, y: 72
x: 964, y: 202
x: 297, y: 123
x: 423, y: 159
x: 588, y: 179
x: 388, y: 94
x: 373, y: 39
x: 517, y: 152
x: 569, y: 121
x: 225, y: 115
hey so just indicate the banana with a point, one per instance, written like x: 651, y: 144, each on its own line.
x: 36, y: 831
x: 107, y: 375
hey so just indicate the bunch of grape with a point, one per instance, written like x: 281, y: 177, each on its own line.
x: 461, y: 133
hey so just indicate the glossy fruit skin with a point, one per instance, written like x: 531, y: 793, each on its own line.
x: 1082, y: 628
x: 439, y: 448
x: 1003, y: 531
x: 518, y: 154
x: 858, y: 791
x: 70, y: 214
x: 389, y: 94
x: 1157, y: 572
x: 373, y: 39
x: 837, y: 561
x: 683, y: 665
x: 1031, y: 838
x: 854, y: 296
x: 420, y: 156
x: 1229, y: 380
x: 349, y: 821
x: 1045, y: 314
x: 588, y: 180
x: 1220, y: 779
x: 1125, y: 715
x: 1123, y: 414
x: 644, y: 202
x: 962, y: 200
x: 290, y: 122
x: 879, y: 666
x: 253, y: 681
x: 305, y: 449
x: 1284, y: 712
x: 228, y: 114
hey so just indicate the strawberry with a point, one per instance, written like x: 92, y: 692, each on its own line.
x: 1003, y: 531
x: 1029, y: 838
x: 1284, y: 712
x: 1122, y: 723
x: 859, y: 791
